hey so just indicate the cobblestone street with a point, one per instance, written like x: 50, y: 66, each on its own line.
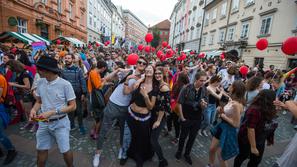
x: 84, y: 147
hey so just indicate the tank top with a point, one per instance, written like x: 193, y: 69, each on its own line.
x: 228, y: 109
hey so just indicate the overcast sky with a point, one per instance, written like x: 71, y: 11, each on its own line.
x: 150, y: 12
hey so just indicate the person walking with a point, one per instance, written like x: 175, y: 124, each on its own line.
x: 55, y: 98
x: 75, y: 76
x: 191, y: 102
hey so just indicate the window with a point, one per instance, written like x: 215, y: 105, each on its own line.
x: 59, y: 2
x: 249, y: 2
x: 223, y: 9
x: 221, y: 35
x: 258, y: 60
x: 44, y: 31
x: 244, y: 30
x: 90, y: 20
x: 203, y: 41
x: 231, y: 31
x: 265, y: 25
x: 214, y: 14
x: 22, y: 26
x: 235, y: 5
x: 70, y: 11
x: 292, y: 63
x: 206, y: 19
x: 211, y: 38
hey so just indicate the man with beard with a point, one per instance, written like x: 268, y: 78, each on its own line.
x: 117, y: 108
x: 75, y: 76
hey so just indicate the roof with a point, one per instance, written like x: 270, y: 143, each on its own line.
x: 128, y: 11
x: 163, y: 25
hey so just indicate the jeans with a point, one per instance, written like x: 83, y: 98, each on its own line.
x: 245, y: 153
x: 112, y: 112
x: 173, y: 117
x: 209, y: 116
x: 155, y: 139
x: 5, y: 141
x: 78, y: 112
x: 189, y: 128
x: 126, y: 141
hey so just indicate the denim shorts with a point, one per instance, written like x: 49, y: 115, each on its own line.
x: 49, y: 133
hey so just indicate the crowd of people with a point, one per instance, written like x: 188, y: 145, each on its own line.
x: 54, y: 90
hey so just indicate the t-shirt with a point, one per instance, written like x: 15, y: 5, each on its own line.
x: 118, y: 97
x: 3, y: 85
x: 55, y: 94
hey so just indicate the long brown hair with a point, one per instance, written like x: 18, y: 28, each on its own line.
x: 238, y: 92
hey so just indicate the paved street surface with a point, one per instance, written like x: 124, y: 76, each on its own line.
x: 84, y: 147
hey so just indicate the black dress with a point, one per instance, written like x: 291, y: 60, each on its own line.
x: 140, y: 126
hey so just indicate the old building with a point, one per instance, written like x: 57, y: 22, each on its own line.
x: 49, y: 19
x: 239, y: 24
x: 164, y: 29
x: 117, y: 26
x: 186, y: 20
x: 135, y: 29
x: 99, y: 20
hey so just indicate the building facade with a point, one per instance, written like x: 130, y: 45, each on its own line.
x: 135, y: 29
x: 118, y: 26
x: 99, y: 20
x: 49, y: 19
x: 164, y: 30
x: 239, y: 24
x: 185, y: 29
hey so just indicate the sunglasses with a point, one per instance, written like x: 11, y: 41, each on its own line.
x: 142, y: 62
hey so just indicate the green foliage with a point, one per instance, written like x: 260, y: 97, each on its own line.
x: 156, y: 41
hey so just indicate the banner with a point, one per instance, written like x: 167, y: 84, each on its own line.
x: 37, y: 46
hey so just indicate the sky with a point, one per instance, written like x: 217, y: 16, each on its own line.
x: 150, y: 12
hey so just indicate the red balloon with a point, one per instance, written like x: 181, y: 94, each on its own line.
x: 97, y: 44
x: 201, y: 55
x: 169, y: 53
x: 163, y: 57
x: 192, y: 52
x: 153, y: 49
x: 222, y: 56
x: 176, y: 49
x: 159, y: 53
x: 105, y: 44
x: 262, y: 44
x: 289, y: 46
x: 183, y: 56
x: 147, y: 49
x: 132, y: 59
x: 168, y: 47
x: 89, y: 46
x: 140, y: 47
x: 149, y: 37
x: 164, y: 44
x: 243, y: 70
x: 108, y: 42
x: 58, y: 41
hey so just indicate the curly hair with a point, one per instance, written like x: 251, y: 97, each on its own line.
x: 264, y: 103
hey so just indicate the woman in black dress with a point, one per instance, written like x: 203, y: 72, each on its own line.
x: 139, y: 117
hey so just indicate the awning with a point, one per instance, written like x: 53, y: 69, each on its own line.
x: 72, y: 40
x: 21, y: 37
x: 213, y: 54
x: 186, y: 50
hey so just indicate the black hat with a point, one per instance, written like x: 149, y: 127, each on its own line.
x: 48, y: 63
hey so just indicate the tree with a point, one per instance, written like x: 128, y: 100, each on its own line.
x: 156, y: 40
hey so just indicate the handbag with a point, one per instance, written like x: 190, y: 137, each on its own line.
x: 97, y: 98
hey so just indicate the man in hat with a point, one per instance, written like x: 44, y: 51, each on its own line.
x: 55, y: 98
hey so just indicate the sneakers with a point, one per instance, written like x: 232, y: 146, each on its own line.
x: 200, y: 132
x: 188, y: 159
x: 120, y: 153
x: 96, y: 160
x: 11, y: 154
x: 205, y: 133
